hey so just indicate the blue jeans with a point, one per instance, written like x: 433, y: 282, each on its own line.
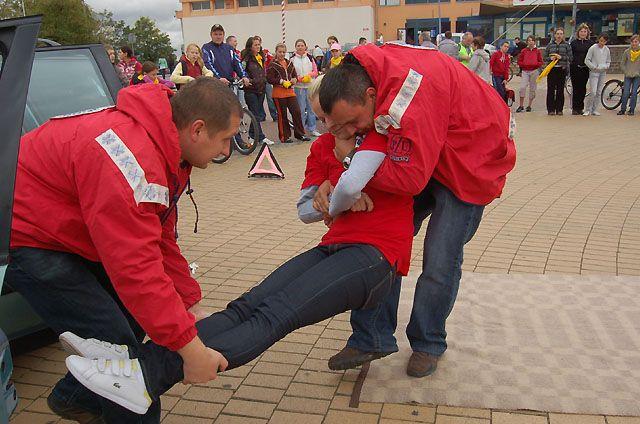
x: 453, y: 223
x: 630, y: 91
x: 71, y: 293
x: 498, y: 84
x: 273, y: 110
x: 308, y: 117
x: 255, y: 103
x: 309, y: 288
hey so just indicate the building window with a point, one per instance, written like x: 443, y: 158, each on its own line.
x: 424, y: 1
x: 218, y: 4
x: 389, y: 2
x: 247, y: 3
x: 200, y: 5
x: 315, y: 1
x: 271, y: 2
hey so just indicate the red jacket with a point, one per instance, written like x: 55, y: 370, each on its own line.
x: 499, y: 64
x: 98, y: 185
x: 530, y: 59
x: 441, y: 121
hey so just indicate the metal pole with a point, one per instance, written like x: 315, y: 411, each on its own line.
x: 283, y: 23
x: 439, y: 19
x: 553, y: 15
x: 574, y: 14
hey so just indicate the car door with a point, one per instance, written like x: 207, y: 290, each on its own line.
x: 17, y: 45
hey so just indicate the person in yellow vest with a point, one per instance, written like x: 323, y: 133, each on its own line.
x: 466, y: 49
x: 336, y: 55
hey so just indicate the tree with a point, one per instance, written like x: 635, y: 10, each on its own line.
x: 10, y: 9
x: 151, y: 43
x: 65, y: 21
x: 111, y: 31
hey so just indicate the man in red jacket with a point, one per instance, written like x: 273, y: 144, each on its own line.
x: 93, y: 241
x: 453, y: 159
x: 499, y: 64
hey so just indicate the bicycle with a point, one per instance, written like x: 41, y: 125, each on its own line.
x: 514, y: 69
x: 569, y: 87
x: 242, y: 141
x: 611, y: 97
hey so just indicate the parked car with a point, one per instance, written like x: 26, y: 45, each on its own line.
x: 37, y: 84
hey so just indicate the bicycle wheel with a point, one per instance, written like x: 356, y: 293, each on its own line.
x: 224, y: 157
x: 611, y: 96
x: 512, y: 71
x: 568, y: 87
x: 245, y: 144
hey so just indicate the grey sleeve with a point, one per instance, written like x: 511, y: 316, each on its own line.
x: 306, y: 212
x: 363, y: 166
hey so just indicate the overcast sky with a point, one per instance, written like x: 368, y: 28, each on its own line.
x: 161, y: 11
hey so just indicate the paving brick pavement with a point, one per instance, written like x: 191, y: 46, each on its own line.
x: 570, y: 206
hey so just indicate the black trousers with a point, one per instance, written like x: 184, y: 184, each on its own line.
x: 579, y: 79
x: 555, y: 89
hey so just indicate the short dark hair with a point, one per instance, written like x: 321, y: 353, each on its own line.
x: 517, y: 38
x: 332, y: 37
x: 362, y: 39
x: 127, y: 50
x: 217, y: 27
x: 148, y: 67
x: 448, y: 35
x: 347, y: 82
x: 478, y: 41
x: 208, y: 99
x: 604, y: 35
x: 229, y: 38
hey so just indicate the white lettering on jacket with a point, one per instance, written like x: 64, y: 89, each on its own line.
x: 400, y: 103
x: 143, y: 191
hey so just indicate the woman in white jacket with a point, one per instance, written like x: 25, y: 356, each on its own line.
x: 598, y: 60
x: 307, y: 71
x: 479, y: 62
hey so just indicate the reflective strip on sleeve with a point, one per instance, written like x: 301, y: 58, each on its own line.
x: 400, y: 103
x: 126, y: 162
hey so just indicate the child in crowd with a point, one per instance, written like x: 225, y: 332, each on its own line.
x: 190, y: 67
x: 598, y: 60
x: 336, y: 55
x: 499, y: 64
x: 149, y: 75
x: 282, y: 75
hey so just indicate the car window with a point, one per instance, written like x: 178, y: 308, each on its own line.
x: 63, y: 82
x: 2, y: 54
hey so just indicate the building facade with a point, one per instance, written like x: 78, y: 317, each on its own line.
x: 314, y: 20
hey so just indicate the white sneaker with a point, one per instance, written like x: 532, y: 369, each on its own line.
x: 121, y: 381
x: 92, y: 348
x: 596, y: 113
x: 315, y: 133
x: 587, y: 113
x: 267, y: 142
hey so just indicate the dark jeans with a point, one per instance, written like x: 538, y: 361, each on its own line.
x: 555, y: 89
x: 498, y: 84
x: 284, y: 129
x: 630, y: 91
x: 579, y: 79
x: 73, y: 294
x: 311, y: 287
x: 255, y: 103
x: 453, y: 223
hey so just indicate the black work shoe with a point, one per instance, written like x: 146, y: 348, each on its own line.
x: 561, y: 113
x: 349, y: 358
x: 576, y: 112
x: 288, y: 140
x: 73, y: 413
x: 528, y: 109
x: 421, y: 364
x: 520, y: 109
x: 551, y: 113
x: 304, y: 138
x: 630, y: 113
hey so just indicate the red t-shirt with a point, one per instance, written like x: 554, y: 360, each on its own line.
x: 388, y: 227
